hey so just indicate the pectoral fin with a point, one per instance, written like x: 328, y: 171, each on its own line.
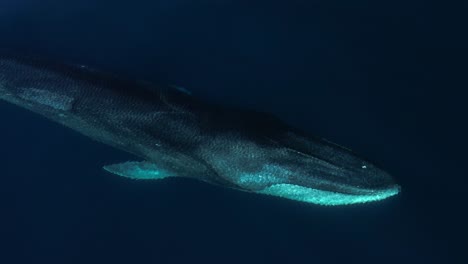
x: 140, y: 170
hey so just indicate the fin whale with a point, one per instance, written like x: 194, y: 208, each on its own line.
x: 178, y: 135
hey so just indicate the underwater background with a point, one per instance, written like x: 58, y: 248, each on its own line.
x: 384, y: 78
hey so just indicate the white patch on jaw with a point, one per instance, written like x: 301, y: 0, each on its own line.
x: 309, y: 195
x: 270, y: 174
x: 47, y: 98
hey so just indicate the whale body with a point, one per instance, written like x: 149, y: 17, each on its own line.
x: 175, y: 134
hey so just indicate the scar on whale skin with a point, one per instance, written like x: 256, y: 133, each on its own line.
x: 47, y: 98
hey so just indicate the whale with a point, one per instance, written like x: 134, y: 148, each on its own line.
x: 172, y: 133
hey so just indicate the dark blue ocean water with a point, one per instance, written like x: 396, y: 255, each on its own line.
x: 385, y: 78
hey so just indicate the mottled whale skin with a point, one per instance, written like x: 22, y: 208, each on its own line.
x: 177, y: 135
